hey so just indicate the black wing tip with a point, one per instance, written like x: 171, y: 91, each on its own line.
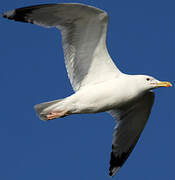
x: 113, y: 170
x: 111, y: 174
x: 9, y: 14
x: 116, y: 162
x: 16, y: 15
x: 4, y: 15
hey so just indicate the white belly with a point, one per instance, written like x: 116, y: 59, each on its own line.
x: 101, y: 97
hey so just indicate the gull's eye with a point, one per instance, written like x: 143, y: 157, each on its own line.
x: 148, y: 79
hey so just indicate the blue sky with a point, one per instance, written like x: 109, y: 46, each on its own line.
x: 141, y: 40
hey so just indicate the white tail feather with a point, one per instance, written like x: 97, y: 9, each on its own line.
x: 45, y: 108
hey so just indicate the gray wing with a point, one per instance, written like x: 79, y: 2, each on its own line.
x: 83, y: 31
x: 130, y: 123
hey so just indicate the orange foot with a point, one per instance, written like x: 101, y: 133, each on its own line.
x: 54, y: 115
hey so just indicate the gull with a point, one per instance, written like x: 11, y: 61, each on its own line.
x: 98, y: 84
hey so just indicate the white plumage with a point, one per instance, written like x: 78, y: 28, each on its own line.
x: 99, y: 85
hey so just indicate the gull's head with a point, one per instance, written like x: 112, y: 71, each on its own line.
x: 148, y: 82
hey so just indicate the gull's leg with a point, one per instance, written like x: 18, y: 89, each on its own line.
x: 56, y: 114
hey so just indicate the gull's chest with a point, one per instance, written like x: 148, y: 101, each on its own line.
x: 103, y: 96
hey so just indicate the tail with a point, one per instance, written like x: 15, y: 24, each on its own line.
x: 45, y: 108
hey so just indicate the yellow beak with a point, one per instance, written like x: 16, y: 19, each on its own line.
x: 164, y: 84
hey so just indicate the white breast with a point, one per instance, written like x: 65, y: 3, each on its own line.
x: 102, y: 97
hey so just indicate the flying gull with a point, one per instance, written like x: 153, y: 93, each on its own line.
x: 98, y: 84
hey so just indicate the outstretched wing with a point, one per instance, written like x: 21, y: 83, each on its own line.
x: 130, y: 123
x: 83, y: 31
